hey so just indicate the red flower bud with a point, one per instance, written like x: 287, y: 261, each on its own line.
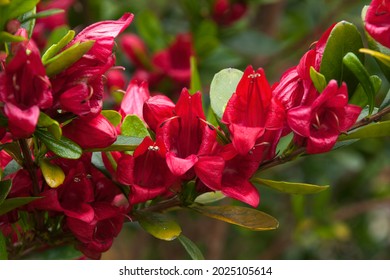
x: 96, y: 132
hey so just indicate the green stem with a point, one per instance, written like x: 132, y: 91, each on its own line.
x: 29, y: 165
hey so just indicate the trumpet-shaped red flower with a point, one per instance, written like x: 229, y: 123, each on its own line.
x: 95, y: 132
x: 318, y: 125
x: 247, y: 110
x: 189, y: 140
x: 79, y: 89
x: 24, y: 89
x: 146, y: 171
x: 377, y: 22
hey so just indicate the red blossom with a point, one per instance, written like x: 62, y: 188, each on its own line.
x: 133, y: 101
x: 157, y: 109
x: 79, y: 89
x: 24, y: 89
x: 226, y: 12
x: 318, y: 125
x: 146, y: 172
x: 135, y: 49
x: 247, y: 111
x: 377, y: 21
x: 189, y: 140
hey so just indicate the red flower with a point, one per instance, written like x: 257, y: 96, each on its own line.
x: 225, y: 12
x: 115, y: 80
x: 189, y: 140
x: 79, y: 89
x: 377, y: 22
x: 133, y: 101
x: 247, y: 110
x: 174, y: 62
x: 135, y: 49
x: 319, y: 124
x: 146, y: 172
x: 96, y: 132
x: 157, y: 109
x: 24, y: 89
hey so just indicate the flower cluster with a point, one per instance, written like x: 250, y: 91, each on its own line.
x: 150, y: 148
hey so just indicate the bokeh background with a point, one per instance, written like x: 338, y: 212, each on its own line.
x: 351, y: 220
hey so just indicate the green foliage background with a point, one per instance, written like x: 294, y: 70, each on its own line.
x: 351, y: 220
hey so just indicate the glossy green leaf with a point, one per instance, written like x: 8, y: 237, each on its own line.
x: 112, y: 116
x: 15, y: 8
x: 55, y: 48
x: 191, y: 248
x: 8, y: 37
x: 43, y: 14
x: 344, y: 38
x: 52, y: 125
x: 209, y: 197
x: 222, y: 88
x: 53, y: 174
x: 386, y: 101
x: 318, y: 79
x: 196, y: 85
x: 357, y: 68
x: 290, y: 187
x: 159, y: 225
x: 11, y: 168
x: 63, y: 147
x: 5, y: 187
x: 67, y: 58
x: 13, y: 203
x: 133, y: 126
x: 242, y: 216
x: 149, y: 28
x: 379, y: 129
x: 359, y: 97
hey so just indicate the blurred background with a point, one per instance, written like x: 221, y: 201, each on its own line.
x: 351, y: 220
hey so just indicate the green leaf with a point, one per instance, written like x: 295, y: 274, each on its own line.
x: 11, y: 168
x: 159, y: 225
x: 42, y: 14
x: 53, y: 174
x: 14, y: 9
x: 52, y: 125
x: 112, y: 116
x: 344, y: 38
x: 67, y: 58
x: 55, y: 48
x: 63, y: 147
x: 8, y: 37
x: 222, y: 88
x: 13, y: 203
x: 318, y: 79
x: 196, y: 85
x: 191, y: 248
x: 386, y: 101
x: 242, y: 216
x: 359, y: 97
x: 209, y: 197
x: 28, y: 24
x: 290, y: 187
x: 379, y: 129
x: 133, y: 126
x: 357, y: 68
x: 5, y: 187
x: 149, y: 28
x: 67, y: 252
